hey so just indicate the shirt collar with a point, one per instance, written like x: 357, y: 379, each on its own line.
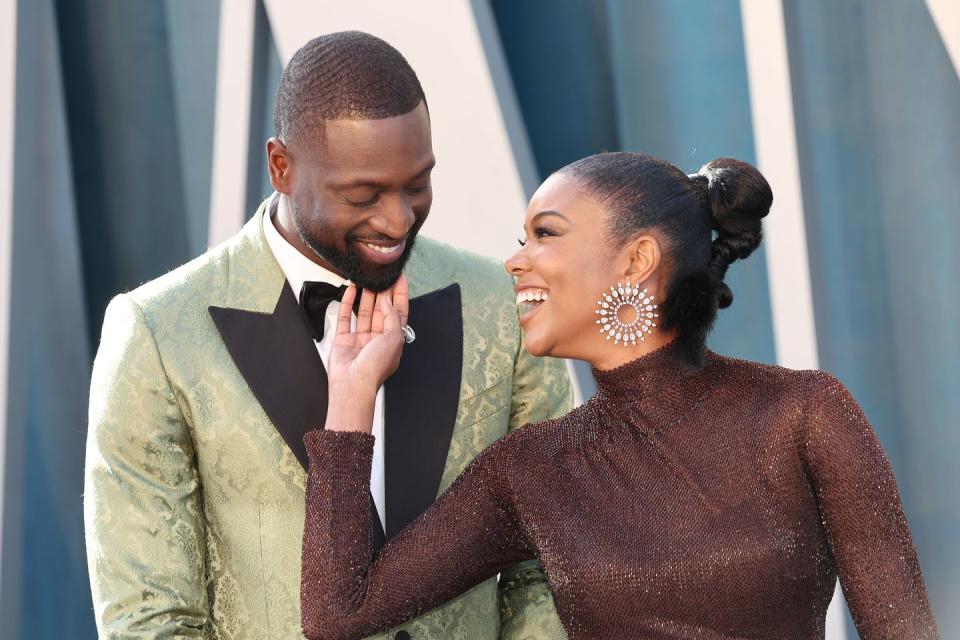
x: 295, y: 266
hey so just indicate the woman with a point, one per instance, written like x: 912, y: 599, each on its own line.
x: 695, y: 496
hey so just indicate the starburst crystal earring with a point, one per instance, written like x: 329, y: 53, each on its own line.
x: 610, y: 305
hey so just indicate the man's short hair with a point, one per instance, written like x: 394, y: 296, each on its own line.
x: 345, y: 75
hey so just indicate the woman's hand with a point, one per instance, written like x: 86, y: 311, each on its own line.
x: 362, y: 359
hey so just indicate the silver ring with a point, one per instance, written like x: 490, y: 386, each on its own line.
x: 409, y: 335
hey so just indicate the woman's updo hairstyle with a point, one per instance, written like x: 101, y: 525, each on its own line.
x: 708, y: 220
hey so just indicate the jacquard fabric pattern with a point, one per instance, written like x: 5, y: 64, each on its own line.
x: 714, y: 501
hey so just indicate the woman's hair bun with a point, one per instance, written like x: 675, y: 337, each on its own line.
x: 738, y: 197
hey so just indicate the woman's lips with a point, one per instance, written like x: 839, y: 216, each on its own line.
x: 380, y: 253
x: 530, y: 300
x: 525, y: 317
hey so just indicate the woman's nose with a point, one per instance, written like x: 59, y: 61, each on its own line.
x: 517, y: 263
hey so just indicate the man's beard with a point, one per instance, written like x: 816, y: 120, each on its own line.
x: 349, y: 264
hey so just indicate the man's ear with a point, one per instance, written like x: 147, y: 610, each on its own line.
x: 279, y: 165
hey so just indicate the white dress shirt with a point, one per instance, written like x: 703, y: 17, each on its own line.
x: 299, y: 269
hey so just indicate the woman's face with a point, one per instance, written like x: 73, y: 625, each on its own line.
x: 561, y: 271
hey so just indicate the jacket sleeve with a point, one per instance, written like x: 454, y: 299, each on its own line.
x: 541, y: 391
x: 470, y: 534
x: 863, y: 517
x: 142, y: 507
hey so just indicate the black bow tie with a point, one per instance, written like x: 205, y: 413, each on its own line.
x: 315, y: 297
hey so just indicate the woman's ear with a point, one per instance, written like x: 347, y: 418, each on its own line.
x: 279, y: 166
x: 644, y: 257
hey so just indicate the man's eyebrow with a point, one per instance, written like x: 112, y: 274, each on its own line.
x: 360, y: 183
x: 373, y: 184
x: 427, y: 169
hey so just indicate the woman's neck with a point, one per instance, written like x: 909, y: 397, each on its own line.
x: 647, y: 375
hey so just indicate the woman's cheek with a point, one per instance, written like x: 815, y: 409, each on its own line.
x: 564, y: 324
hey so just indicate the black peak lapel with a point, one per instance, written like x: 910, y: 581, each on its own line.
x: 277, y: 357
x: 420, y: 406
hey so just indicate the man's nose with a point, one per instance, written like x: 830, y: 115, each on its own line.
x: 396, y: 216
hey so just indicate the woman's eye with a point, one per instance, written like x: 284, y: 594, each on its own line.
x: 539, y: 232
x: 542, y: 232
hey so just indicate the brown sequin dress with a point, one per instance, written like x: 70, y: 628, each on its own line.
x: 714, y: 501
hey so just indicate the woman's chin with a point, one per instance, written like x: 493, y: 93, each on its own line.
x: 537, y: 353
x: 542, y: 346
x: 535, y: 344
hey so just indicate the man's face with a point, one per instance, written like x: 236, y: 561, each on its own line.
x: 360, y: 193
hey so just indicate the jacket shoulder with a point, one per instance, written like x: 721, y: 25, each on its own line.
x: 175, y: 305
x: 201, y: 281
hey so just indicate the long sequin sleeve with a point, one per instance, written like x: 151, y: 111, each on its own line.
x: 541, y: 391
x: 864, y: 520
x: 467, y: 536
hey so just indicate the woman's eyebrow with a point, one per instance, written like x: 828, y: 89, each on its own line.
x: 549, y: 213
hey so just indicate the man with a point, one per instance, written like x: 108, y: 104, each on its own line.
x: 208, y: 377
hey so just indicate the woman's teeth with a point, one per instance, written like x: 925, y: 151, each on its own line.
x: 530, y: 298
x: 383, y: 250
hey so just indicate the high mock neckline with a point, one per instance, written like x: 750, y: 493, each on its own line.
x: 646, y: 375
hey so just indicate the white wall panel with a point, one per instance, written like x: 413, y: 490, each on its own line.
x: 231, y: 134
x: 946, y: 15
x: 788, y: 267
x: 8, y: 79
x: 775, y: 135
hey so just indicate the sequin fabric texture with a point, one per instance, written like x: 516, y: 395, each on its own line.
x: 713, y: 501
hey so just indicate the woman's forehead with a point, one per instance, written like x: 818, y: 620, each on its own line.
x: 564, y: 195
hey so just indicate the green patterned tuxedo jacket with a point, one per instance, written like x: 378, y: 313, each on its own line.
x: 206, y: 380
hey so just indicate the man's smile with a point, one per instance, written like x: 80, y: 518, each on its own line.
x: 382, y: 252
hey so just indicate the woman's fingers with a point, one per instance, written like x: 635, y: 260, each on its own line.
x: 378, y: 311
x: 344, y: 316
x: 391, y: 319
x: 401, y: 299
x: 365, y: 313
